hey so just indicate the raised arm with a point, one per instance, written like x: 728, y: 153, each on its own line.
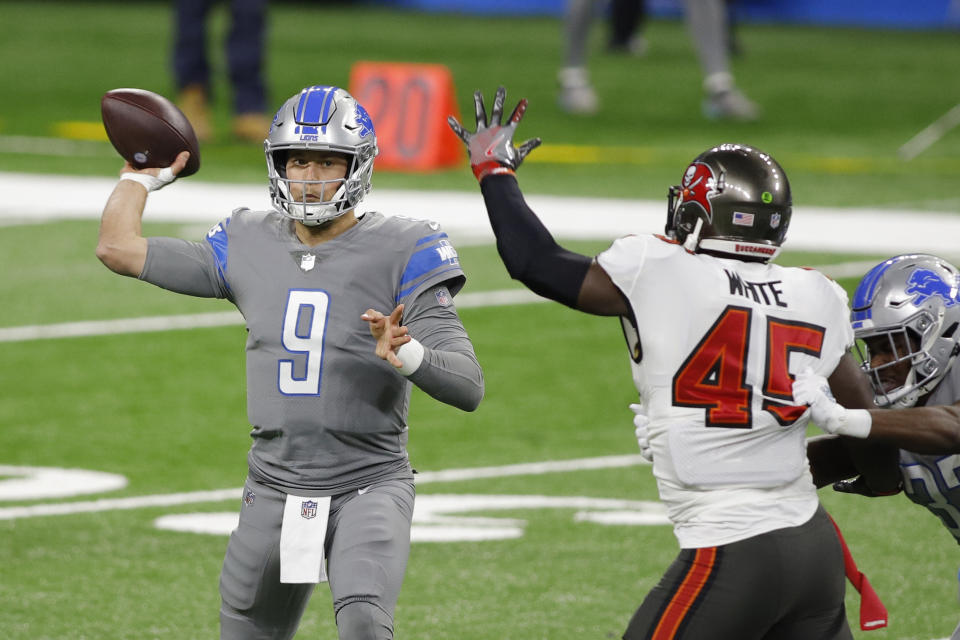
x: 527, y: 248
x: 121, y: 245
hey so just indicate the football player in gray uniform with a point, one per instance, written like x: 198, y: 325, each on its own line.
x: 906, y: 317
x: 345, y: 311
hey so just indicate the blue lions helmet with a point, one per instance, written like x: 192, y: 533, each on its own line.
x: 321, y: 118
x: 908, y: 306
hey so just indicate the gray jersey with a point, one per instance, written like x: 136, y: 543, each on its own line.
x: 328, y: 415
x: 932, y: 480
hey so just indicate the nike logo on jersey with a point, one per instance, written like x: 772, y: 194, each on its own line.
x: 364, y: 490
x: 759, y: 292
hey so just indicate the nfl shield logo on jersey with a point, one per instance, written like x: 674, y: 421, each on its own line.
x: 308, y: 509
x: 307, y: 261
x: 443, y: 297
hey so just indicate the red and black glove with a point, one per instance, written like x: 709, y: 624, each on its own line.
x: 491, y: 147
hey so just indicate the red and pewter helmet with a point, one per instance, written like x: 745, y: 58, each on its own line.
x: 733, y: 200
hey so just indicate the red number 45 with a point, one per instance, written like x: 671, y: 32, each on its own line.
x: 714, y: 374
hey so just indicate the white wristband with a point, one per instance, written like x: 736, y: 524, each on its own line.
x: 410, y: 355
x: 149, y: 182
x: 856, y: 423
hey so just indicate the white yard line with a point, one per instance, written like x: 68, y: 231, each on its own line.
x: 230, y: 318
x: 120, y: 325
x: 220, y: 495
x: 530, y: 468
x: 214, y: 319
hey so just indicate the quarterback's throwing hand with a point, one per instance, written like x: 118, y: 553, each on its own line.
x: 490, y: 147
x: 814, y: 390
x: 388, y: 331
x: 154, y: 179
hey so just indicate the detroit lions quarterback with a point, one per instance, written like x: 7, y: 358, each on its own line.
x: 344, y: 312
x: 715, y: 333
x: 906, y: 317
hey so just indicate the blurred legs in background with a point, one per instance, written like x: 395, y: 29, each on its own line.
x: 707, y: 22
x: 244, y: 49
x: 576, y: 93
x: 626, y: 21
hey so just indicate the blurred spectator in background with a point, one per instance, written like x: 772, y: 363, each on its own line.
x: 626, y: 20
x: 709, y: 24
x: 707, y: 21
x: 576, y: 92
x: 244, y: 49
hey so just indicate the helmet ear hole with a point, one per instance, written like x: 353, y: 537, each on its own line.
x: 949, y: 331
x: 280, y: 162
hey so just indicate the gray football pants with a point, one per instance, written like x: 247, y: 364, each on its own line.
x: 367, y: 546
x: 786, y: 584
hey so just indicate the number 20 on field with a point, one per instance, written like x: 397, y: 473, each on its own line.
x: 409, y: 105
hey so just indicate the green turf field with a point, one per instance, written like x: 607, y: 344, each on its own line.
x: 166, y: 409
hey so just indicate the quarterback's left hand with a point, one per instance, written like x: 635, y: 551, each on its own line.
x: 814, y: 390
x: 388, y: 331
x: 490, y: 147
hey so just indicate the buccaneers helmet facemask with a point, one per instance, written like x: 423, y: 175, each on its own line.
x: 321, y: 118
x: 908, y: 308
x: 734, y: 200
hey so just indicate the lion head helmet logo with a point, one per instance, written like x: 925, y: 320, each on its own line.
x: 924, y: 284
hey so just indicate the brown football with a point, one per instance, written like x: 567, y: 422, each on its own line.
x: 148, y: 130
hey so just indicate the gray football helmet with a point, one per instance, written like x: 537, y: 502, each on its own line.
x: 321, y: 118
x: 913, y: 302
x: 733, y: 199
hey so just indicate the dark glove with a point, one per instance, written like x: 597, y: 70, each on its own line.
x: 491, y: 147
x: 859, y: 486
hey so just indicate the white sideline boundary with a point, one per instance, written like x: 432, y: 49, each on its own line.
x: 462, y: 214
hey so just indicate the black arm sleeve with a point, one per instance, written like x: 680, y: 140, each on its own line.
x: 526, y: 247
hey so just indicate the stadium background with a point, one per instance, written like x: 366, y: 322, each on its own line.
x: 164, y: 409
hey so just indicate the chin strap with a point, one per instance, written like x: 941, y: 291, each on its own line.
x: 693, y: 239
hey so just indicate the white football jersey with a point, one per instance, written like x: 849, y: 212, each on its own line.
x: 716, y: 346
